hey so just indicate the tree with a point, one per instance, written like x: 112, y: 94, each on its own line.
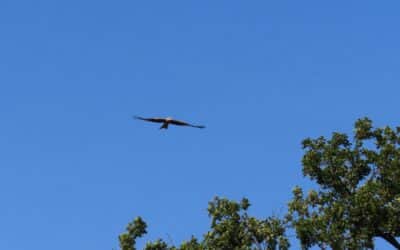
x: 359, y: 194
x: 231, y: 229
x: 356, y: 200
x: 135, y: 229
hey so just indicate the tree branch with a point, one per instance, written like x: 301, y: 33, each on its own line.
x: 389, y: 238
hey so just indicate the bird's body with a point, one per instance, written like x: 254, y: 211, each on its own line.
x: 167, y: 121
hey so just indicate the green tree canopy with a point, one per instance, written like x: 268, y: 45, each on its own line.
x: 356, y: 200
x: 359, y: 189
x: 231, y: 229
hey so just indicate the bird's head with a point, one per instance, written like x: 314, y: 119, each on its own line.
x: 169, y: 119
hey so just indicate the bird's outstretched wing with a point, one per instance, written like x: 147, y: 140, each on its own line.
x: 155, y: 119
x: 181, y: 123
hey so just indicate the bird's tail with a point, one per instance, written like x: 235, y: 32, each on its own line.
x: 164, y: 125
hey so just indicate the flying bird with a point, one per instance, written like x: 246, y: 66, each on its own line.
x: 167, y: 121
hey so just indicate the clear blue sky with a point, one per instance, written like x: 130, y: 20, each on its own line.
x: 75, y: 168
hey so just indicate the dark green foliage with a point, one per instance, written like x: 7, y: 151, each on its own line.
x: 231, y: 229
x: 359, y: 195
x: 357, y: 200
x: 157, y: 245
x: 193, y: 244
x: 135, y: 229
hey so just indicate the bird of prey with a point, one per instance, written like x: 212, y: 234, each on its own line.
x: 167, y: 121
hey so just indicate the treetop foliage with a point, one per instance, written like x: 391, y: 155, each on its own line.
x: 359, y: 193
x: 357, y: 200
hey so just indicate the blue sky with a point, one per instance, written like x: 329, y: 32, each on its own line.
x: 75, y: 168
